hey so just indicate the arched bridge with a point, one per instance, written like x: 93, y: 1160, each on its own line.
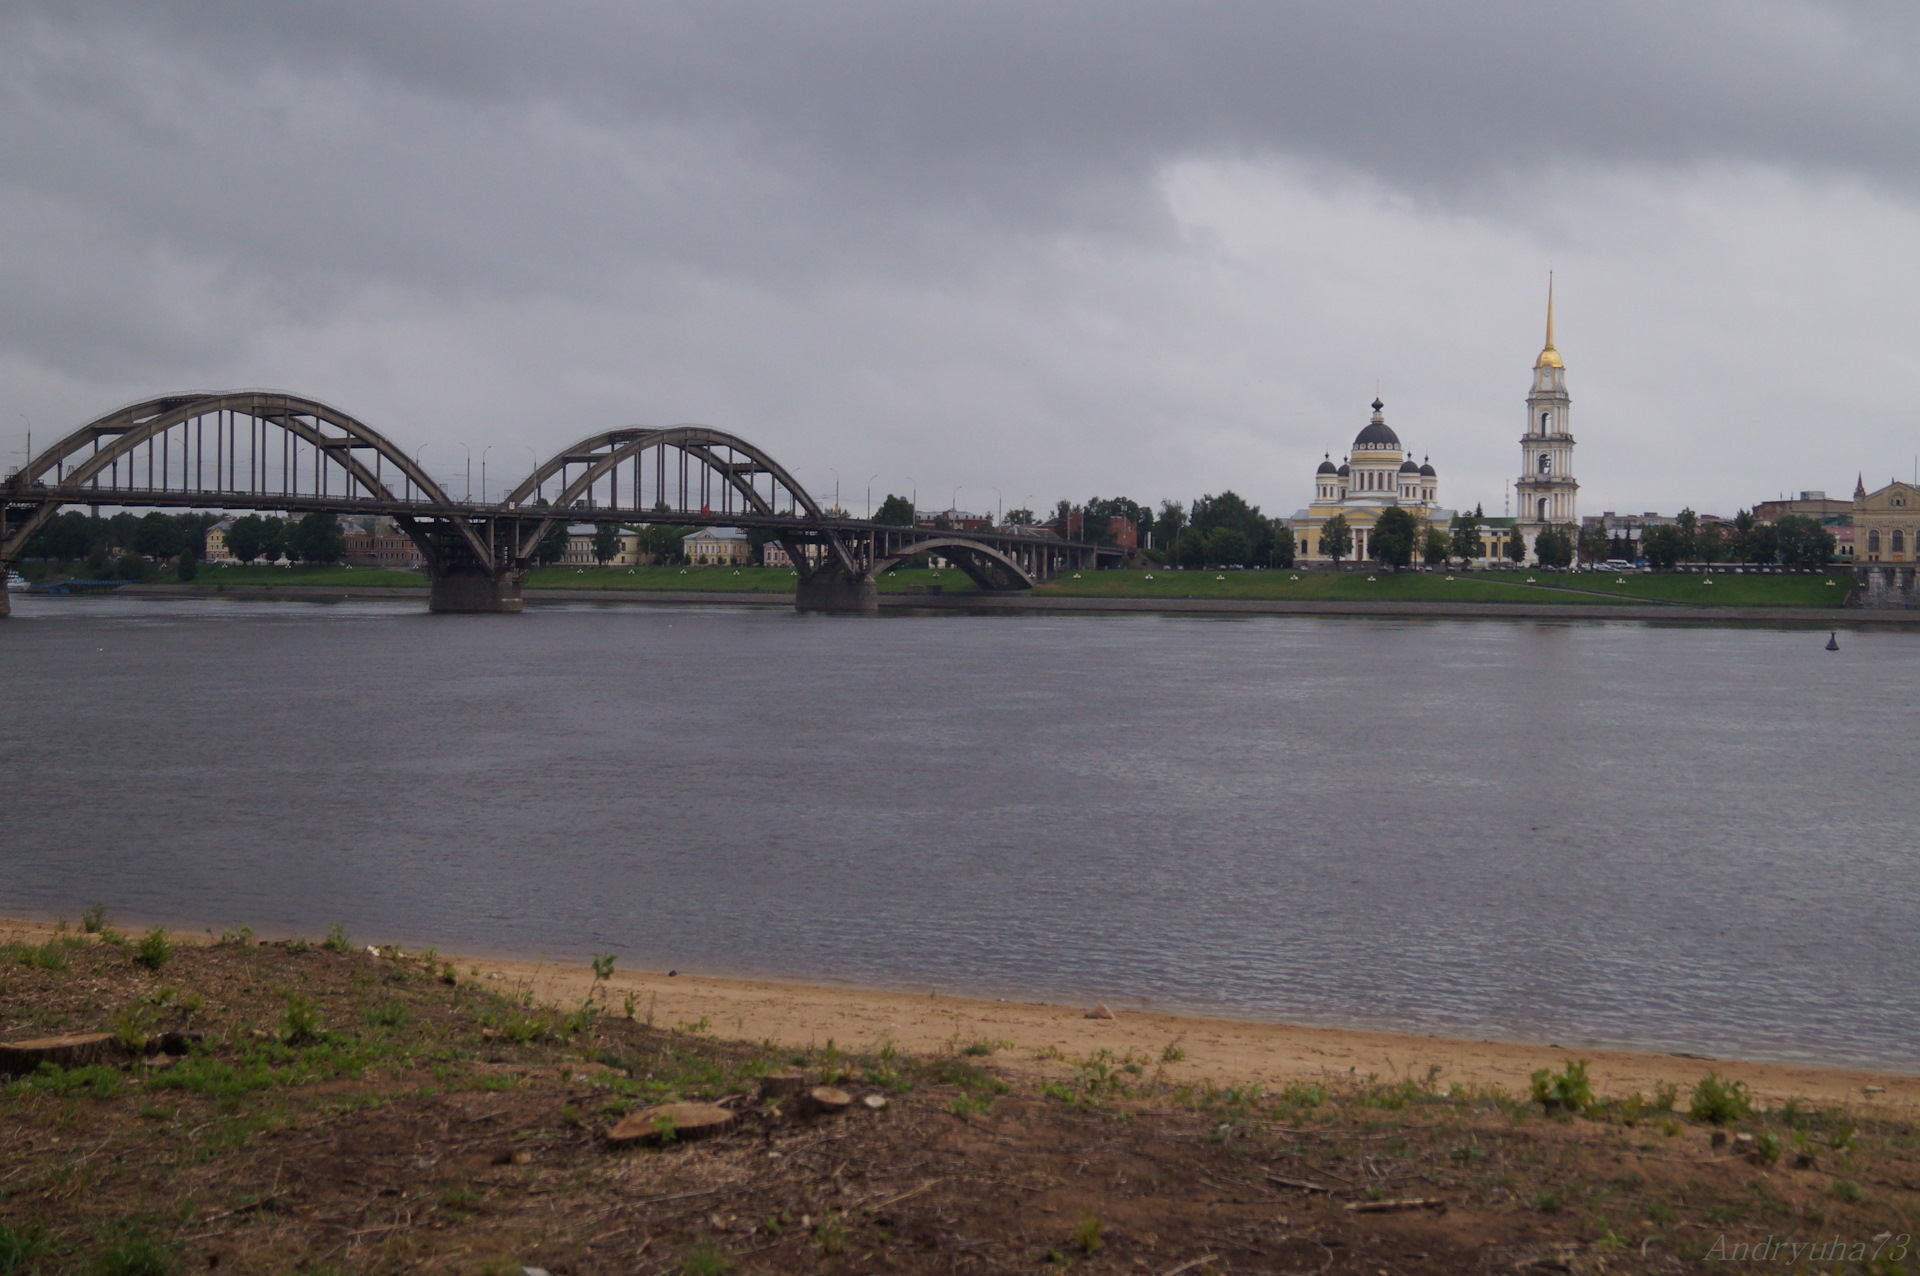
x: 249, y: 450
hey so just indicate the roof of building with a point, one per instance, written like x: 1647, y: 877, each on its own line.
x: 1427, y: 470
x: 717, y: 534
x: 1327, y: 467
x: 1377, y: 435
x: 1408, y: 467
x: 1342, y: 471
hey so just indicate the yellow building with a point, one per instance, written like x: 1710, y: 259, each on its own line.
x: 580, y: 548
x: 717, y: 547
x: 1376, y: 476
x: 1886, y: 523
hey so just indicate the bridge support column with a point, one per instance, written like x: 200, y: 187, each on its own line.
x: 6, y: 606
x: 838, y: 594
x: 475, y: 592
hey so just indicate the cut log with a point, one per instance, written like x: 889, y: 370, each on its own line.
x: 78, y: 1050
x: 824, y: 1100
x: 778, y: 1085
x: 672, y: 1123
x: 1302, y: 1185
x: 1400, y: 1203
x: 875, y: 1102
x: 1100, y: 1012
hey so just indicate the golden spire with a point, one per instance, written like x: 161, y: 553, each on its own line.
x: 1549, y: 357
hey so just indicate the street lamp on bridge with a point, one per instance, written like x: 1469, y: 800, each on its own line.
x: 870, y: 479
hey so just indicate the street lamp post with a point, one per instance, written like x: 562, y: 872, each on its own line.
x: 870, y: 479
x: 953, y: 502
x: 999, y: 507
x: 29, y: 421
x: 469, y: 451
x: 483, y: 472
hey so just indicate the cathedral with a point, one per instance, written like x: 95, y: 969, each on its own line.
x: 1377, y: 474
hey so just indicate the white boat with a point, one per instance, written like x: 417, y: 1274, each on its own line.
x: 16, y: 583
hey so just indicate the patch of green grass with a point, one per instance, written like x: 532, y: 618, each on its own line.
x: 133, y: 1254
x: 302, y: 1021
x: 336, y: 940
x: 1500, y: 586
x: 1567, y: 1091
x: 388, y: 1014
x: 99, y: 1081
x: 22, y: 1247
x: 704, y: 1258
x: 94, y: 918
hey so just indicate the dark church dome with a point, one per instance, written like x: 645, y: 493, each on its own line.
x: 1378, y: 436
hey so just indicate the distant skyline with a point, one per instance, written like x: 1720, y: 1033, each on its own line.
x: 1056, y: 250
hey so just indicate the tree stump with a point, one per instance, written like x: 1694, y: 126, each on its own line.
x: 672, y: 1123
x: 778, y: 1085
x: 78, y: 1050
x: 825, y: 1100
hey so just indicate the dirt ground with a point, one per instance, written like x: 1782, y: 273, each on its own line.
x: 346, y: 1111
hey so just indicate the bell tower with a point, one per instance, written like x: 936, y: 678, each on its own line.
x: 1546, y: 489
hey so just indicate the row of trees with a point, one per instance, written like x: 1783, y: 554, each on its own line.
x: 316, y: 538
x: 74, y: 536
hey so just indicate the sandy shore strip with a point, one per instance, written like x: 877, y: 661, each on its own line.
x: 1041, y: 1039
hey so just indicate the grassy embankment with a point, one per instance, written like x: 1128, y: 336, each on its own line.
x: 341, y: 1111
x: 1493, y: 587
x: 1489, y: 587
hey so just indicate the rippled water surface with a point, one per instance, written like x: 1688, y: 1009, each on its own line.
x: 1695, y: 839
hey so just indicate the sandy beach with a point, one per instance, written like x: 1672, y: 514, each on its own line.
x: 1039, y: 1038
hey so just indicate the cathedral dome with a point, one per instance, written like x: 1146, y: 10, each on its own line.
x: 1326, y: 467
x: 1342, y: 471
x: 1378, y: 436
x: 1427, y: 470
x: 1408, y: 467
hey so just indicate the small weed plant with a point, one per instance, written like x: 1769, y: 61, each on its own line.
x: 154, y: 949
x: 94, y: 920
x: 302, y: 1022
x: 1719, y: 1101
x: 1086, y: 1236
x: 336, y: 940
x: 1566, y: 1091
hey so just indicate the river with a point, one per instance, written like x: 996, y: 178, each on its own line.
x: 1696, y: 839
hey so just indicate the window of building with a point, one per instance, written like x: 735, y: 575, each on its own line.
x: 1873, y: 541
x: 1544, y: 417
x: 1546, y: 463
x: 1899, y: 541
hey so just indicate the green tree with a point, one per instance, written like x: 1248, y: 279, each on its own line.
x: 1554, y: 547
x: 1516, y: 546
x: 1803, y: 542
x: 1661, y: 546
x: 1710, y: 543
x: 1167, y: 527
x: 606, y: 542
x: 1396, y: 535
x: 317, y: 538
x: 662, y: 543
x: 1688, y: 525
x: 1336, y: 539
x: 189, y: 566
x: 1191, y: 549
x: 897, y: 511
x: 1283, y: 549
x: 247, y: 538
x: 1227, y: 547
x: 1593, y: 543
x: 1761, y: 544
x: 1743, y: 525
x: 1465, y: 539
x: 158, y: 536
x: 1014, y: 518
x: 1439, y: 545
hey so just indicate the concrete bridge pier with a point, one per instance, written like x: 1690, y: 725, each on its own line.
x: 834, y: 593
x: 475, y: 591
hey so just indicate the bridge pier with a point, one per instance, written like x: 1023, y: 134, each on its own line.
x: 838, y: 594
x: 475, y: 591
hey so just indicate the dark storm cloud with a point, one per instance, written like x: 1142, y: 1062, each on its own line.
x: 883, y: 213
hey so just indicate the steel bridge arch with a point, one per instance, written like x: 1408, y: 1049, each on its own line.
x: 734, y: 460
x: 986, y: 566
x: 120, y: 434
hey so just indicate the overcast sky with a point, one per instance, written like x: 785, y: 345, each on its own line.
x: 1056, y: 249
